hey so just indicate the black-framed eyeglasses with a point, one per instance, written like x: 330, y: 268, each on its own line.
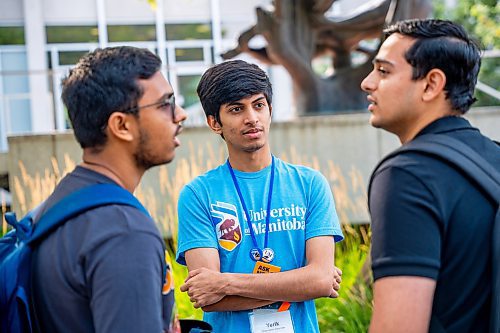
x: 168, y: 103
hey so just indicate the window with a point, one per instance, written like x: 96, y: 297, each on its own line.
x: 186, y: 31
x: 189, y: 54
x: 187, y: 86
x: 72, y: 34
x: 70, y: 57
x: 131, y: 33
x: 11, y: 35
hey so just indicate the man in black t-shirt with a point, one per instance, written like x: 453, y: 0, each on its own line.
x: 105, y: 269
x: 431, y: 226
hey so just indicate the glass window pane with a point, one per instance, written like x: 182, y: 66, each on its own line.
x: 188, y: 31
x: 187, y: 87
x: 189, y: 54
x: 70, y: 57
x: 11, y: 35
x: 131, y: 33
x: 72, y: 34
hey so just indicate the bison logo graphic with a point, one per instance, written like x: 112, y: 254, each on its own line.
x: 227, y: 225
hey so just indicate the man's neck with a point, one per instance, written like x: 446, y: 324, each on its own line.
x: 427, y: 118
x: 123, y: 173
x: 251, y: 162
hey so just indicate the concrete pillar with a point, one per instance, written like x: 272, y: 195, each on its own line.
x: 160, y: 36
x: 101, y: 23
x: 216, y: 29
x: 42, y: 117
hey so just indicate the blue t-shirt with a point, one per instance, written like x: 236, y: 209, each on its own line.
x: 211, y: 215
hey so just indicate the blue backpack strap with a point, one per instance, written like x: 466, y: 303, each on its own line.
x: 87, y: 198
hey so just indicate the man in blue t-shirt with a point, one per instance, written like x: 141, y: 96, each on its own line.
x: 255, y: 214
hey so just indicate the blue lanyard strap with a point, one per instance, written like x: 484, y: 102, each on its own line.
x: 245, y: 209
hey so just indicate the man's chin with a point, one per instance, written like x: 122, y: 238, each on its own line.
x: 253, y: 148
x: 375, y: 122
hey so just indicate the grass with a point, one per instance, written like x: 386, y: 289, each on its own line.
x: 349, y: 313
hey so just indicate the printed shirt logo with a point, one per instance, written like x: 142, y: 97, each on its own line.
x: 226, y: 224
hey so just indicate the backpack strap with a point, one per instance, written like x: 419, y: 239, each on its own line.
x: 87, y: 198
x: 478, y: 170
x: 460, y: 155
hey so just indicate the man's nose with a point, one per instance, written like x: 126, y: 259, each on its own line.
x: 368, y: 84
x: 252, y: 116
x: 180, y: 114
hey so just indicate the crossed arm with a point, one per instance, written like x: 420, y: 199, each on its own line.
x: 215, y: 291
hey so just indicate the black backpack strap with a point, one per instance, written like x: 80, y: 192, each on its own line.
x: 87, y: 198
x: 479, y: 171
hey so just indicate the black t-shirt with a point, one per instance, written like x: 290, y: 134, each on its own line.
x: 429, y: 220
x: 101, y: 271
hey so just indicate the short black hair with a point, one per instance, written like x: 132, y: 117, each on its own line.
x: 229, y: 82
x: 444, y: 45
x: 102, y: 82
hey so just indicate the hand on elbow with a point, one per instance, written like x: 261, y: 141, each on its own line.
x: 204, y: 287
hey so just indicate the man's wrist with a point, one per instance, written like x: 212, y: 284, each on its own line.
x: 229, y: 282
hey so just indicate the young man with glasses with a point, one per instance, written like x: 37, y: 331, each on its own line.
x: 255, y: 214
x: 104, y: 270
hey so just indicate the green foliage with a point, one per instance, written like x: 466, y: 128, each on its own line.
x: 184, y: 305
x: 351, y: 312
x: 480, y: 18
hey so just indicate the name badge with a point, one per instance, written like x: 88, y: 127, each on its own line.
x: 271, y: 322
x: 264, y: 268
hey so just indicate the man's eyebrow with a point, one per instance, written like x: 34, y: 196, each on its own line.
x: 165, y: 97
x: 380, y: 61
x: 236, y: 103
x: 258, y: 99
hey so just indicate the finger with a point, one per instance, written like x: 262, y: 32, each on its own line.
x: 192, y: 273
x: 334, y: 294
x: 339, y: 271
x: 336, y: 286
x: 184, y: 287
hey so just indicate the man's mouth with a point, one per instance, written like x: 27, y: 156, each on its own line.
x: 252, y: 131
x: 372, y: 101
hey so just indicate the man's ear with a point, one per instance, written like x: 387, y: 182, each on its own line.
x: 270, y: 112
x: 435, y: 82
x: 122, y: 125
x: 214, y: 125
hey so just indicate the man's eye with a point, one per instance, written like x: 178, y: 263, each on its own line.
x: 165, y: 105
x: 382, y: 70
x: 260, y: 105
x: 235, y: 109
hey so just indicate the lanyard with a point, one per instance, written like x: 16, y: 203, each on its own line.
x: 268, y: 210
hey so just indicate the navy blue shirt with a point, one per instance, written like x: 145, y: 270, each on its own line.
x: 102, y: 271
x: 429, y: 220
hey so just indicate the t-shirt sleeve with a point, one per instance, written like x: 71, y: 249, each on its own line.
x: 195, y: 224
x: 125, y: 277
x: 321, y: 215
x: 406, y: 237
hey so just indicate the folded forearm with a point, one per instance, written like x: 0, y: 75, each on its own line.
x: 236, y: 303
x: 293, y: 286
